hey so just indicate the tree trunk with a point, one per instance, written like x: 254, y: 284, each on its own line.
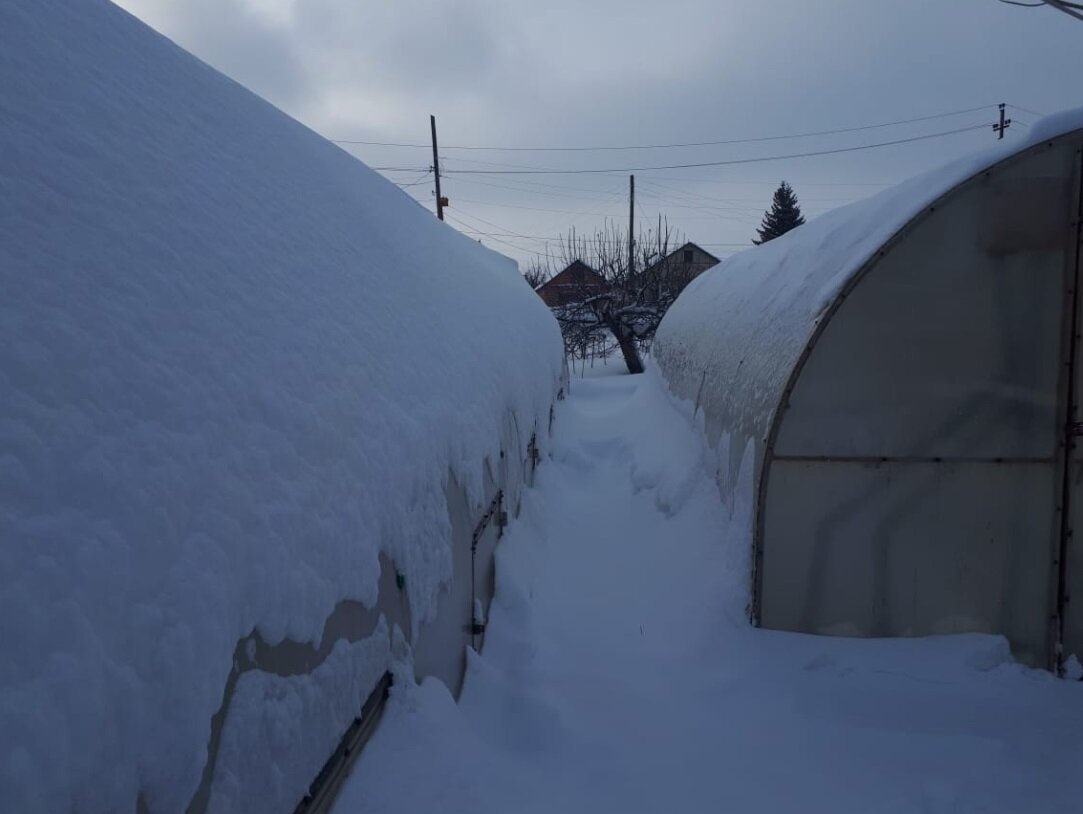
x: 628, y: 347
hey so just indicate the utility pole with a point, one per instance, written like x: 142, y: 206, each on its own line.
x: 436, y: 170
x: 631, y: 225
x: 1004, y: 123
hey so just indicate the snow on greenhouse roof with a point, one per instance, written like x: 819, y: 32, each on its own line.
x: 235, y: 363
x: 753, y: 314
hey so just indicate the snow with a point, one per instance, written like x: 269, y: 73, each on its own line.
x: 619, y: 672
x: 298, y: 723
x: 235, y: 365
x: 753, y: 314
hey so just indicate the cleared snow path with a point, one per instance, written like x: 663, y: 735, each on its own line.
x: 619, y: 674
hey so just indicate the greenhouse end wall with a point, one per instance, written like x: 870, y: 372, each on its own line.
x: 912, y: 483
x: 894, y: 379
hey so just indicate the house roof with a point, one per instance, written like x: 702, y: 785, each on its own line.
x: 673, y: 254
x: 692, y: 245
x: 576, y: 269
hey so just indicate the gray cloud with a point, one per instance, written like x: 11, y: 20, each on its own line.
x: 234, y: 38
x: 609, y: 72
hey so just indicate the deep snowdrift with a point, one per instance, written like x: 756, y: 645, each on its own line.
x: 620, y: 674
x: 235, y: 363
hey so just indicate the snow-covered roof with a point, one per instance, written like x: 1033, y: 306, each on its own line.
x: 235, y: 364
x: 753, y: 314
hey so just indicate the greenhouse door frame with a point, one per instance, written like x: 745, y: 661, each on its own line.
x: 1068, y: 443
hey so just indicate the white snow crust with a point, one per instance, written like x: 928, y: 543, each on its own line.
x: 235, y: 364
x: 753, y: 314
x: 297, y: 721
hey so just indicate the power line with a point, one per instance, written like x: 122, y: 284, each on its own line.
x: 536, y: 253
x: 836, y: 131
x: 532, y: 208
x: 1031, y: 112
x: 642, y: 212
x: 716, y: 212
x: 773, y: 183
x: 1071, y: 9
x: 684, y: 200
x: 675, y: 197
x: 526, y: 182
x: 653, y: 189
x: 423, y: 179
x: 726, y: 181
x: 551, y: 222
x: 495, y: 163
x: 656, y: 178
x: 730, y: 162
x: 613, y: 198
x: 506, y: 232
x: 498, y: 235
x: 599, y: 194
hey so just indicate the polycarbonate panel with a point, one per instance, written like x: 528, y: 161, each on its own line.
x: 440, y: 647
x: 950, y: 345
x: 910, y: 549
x: 1073, y: 607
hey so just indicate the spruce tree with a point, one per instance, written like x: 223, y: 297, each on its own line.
x: 783, y: 216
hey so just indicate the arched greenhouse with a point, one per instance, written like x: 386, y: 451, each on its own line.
x: 893, y: 389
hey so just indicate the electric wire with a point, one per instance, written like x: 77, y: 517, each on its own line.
x: 724, y: 163
x: 749, y: 140
x: 1024, y: 110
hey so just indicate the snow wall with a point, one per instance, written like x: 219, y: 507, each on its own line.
x: 261, y: 414
x: 888, y: 387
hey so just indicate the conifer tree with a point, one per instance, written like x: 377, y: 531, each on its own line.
x: 783, y: 215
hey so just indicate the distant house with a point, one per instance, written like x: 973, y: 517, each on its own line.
x: 574, y: 284
x: 678, y: 268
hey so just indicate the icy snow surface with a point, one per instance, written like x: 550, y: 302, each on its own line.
x: 234, y: 364
x: 619, y: 673
x: 753, y: 313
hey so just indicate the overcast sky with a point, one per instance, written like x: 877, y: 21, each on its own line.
x: 594, y: 73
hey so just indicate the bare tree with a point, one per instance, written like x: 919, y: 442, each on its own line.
x: 1071, y: 9
x: 624, y: 309
x: 536, y: 274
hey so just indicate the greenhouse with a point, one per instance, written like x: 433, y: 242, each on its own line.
x: 263, y: 421
x: 892, y: 391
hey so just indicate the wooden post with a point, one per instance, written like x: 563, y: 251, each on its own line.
x: 436, y: 170
x: 1004, y: 123
x: 631, y: 225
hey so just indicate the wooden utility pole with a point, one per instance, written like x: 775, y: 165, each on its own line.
x: 436, y: 170
x: 1004, y: 123
x: 631, y: 225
